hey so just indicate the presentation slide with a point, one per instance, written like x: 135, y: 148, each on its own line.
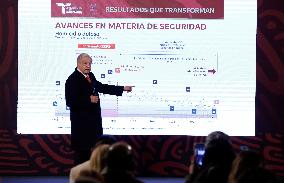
x: 192, y: 62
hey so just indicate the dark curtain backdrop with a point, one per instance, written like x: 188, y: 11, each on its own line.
x: 155, y: 155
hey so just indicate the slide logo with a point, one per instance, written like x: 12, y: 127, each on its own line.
x: 73, y: 8
x: 63, y: 5
x: 68, y: 8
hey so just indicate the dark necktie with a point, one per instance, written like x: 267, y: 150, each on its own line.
x: 89, y: 79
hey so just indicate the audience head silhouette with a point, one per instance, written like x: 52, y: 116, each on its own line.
x: 120, y: 157
x: 97, y: 159
x: 244, y: 162
x: 218, y: 157
x: 120, y: 164
x: 105, y: 139
x: 218, y: 149
x: 258, y: 175
x: 216, y: 135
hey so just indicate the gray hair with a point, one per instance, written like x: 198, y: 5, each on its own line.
x: 83, y: 55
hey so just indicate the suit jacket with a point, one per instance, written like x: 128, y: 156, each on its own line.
x: 85, y: 117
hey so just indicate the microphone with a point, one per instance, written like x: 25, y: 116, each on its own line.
x: 95, y: 92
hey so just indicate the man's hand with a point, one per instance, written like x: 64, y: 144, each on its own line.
x: 94, y: 98
x: 128, y: 88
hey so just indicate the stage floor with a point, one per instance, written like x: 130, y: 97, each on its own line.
x: 65, y: 179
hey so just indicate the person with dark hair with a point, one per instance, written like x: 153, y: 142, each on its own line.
x: 216, y: 165
x: 215, y: 136
x: 120, y: 164
x: 244, y: 162
x: 105, y: 139
x: 82, y: 97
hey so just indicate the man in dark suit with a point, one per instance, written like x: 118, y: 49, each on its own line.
x: 81, y: 93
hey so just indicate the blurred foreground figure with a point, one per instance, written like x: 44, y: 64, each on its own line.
x: 120, y: 164
x: 217, y: 161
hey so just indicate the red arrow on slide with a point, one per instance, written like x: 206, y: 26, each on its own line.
x: 212, y: 70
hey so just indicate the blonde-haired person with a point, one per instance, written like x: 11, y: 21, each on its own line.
x: 98, y: 158
x: 96, y: 163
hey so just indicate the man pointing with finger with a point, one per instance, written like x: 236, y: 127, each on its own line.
x: 81, y: 93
